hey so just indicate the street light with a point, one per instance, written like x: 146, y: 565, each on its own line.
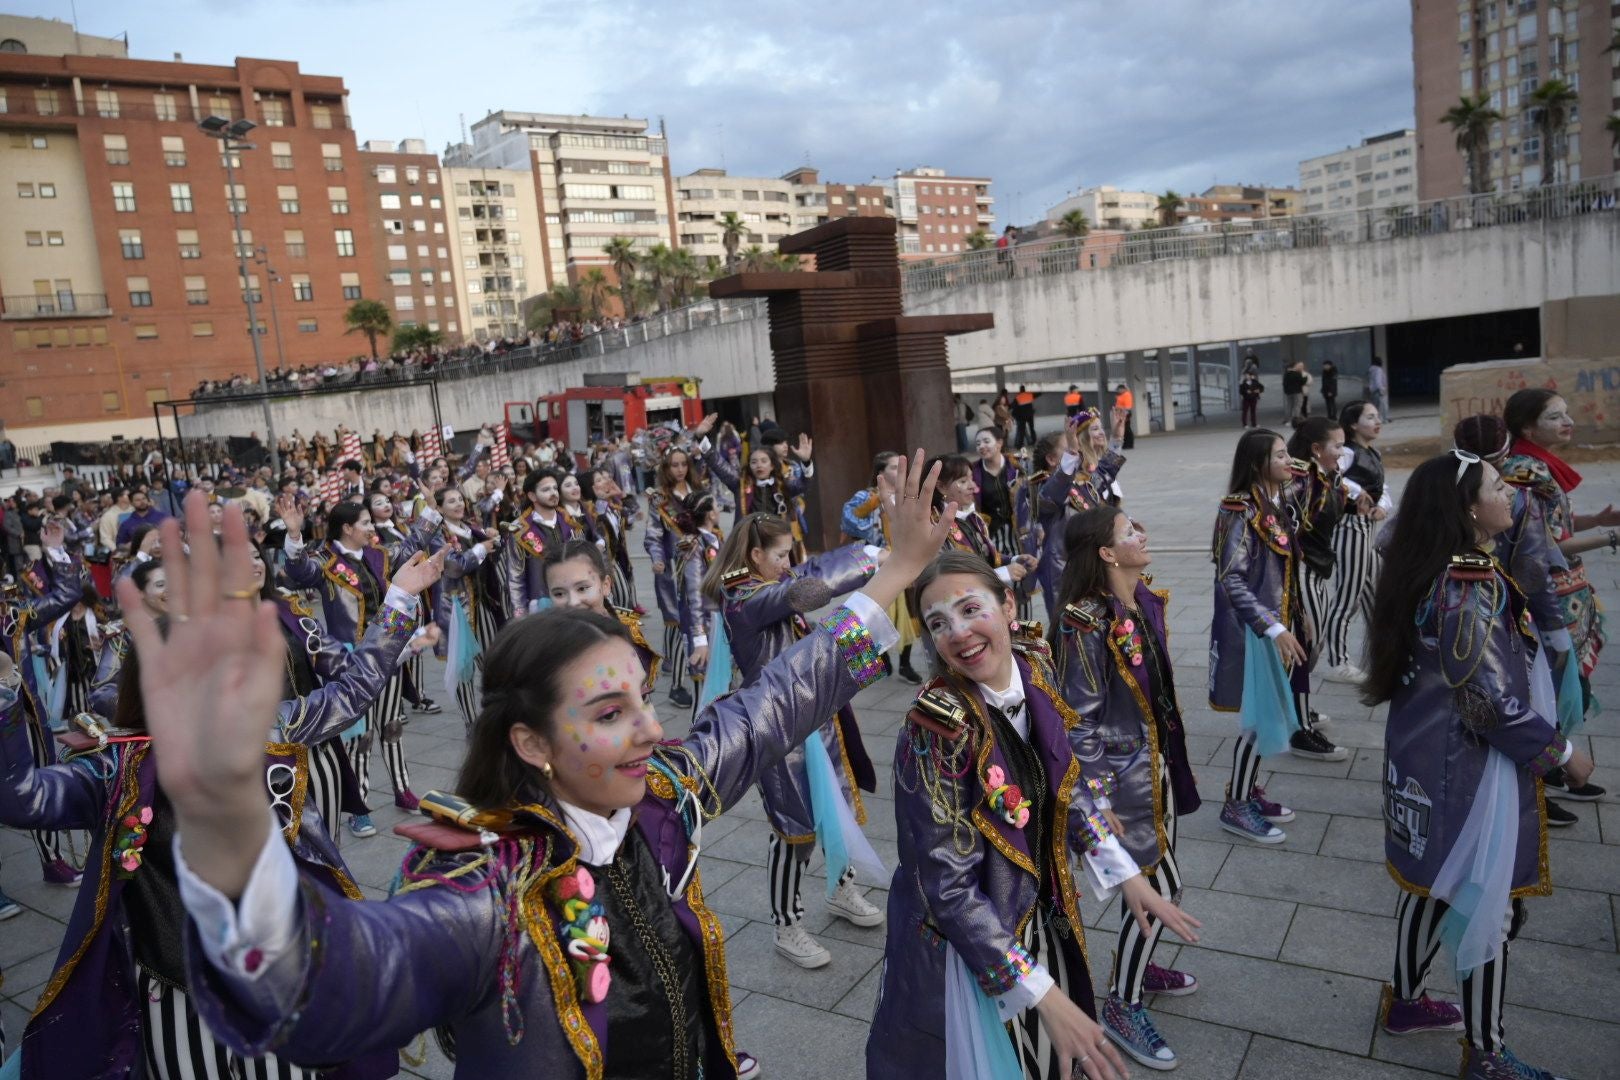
x: 232, y: 133
x: 272, y: 279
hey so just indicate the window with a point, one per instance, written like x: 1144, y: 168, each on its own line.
x: 339, y: 197
x: 190, y: 247
x: 345, y: 241
x: 281, y: 155
x: 416, y: 199
x: 390, y: 200
x: 36, y: 407
x: 107, y: 104
x: 588, y: 191
x: 180, y: 198
x: 386, y: 174
x: 236, y: 198
x: 402, y: 278
x: 294, y: 240
x: 202, y: 329
x: 110, y: 401
x: 404, y: 303
x: 433, y: 176
x: 244, y: 243
x: 302, y: 290
x: 332, y: 156
x: 233, y: 157
x: 25, y: 190
x: 196, y: 290
x: 418, y: 225
x: 274, y: 112
x: 45, y: 102
x: 117, y: 147
x: 351, y: 286
x: 123, y: 196
x: 48, y: 191
x: 174, y: 151
x: 35, y: 239
x: 140, y: 291
x: 320, y: 116
x: 287, y: 195
x: 434, y: 203
x: 426, y: 276
x: 250, y: 288
x: 163, y: 107
x: 412, y: 174
x: 308, y: 326
x: 220, y: 105
x: 397, y: 252
x: 129, y: 243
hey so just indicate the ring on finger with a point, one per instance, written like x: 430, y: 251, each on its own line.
x: 240, y: 594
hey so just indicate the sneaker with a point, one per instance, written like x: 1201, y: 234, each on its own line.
x: 1167, y: 981
x: 1346, y: 673
x: 681, y: 696
x: 58, y: 872
x: 1320, y: 719
x: 1274, y: 812
x: 9, y: 908
x: 1244, y: 819
x: 1313, y: 745
x: 1557, y: 816
x: 848, y: 904
x: 429, y: 706
x: 360, y: 826
x: 1132, y: 1028
x: 748, y: 1067
x: 795, y: 943
x: 407, y: 800
x: 909, y: 673
x: 1418, y: 1015
x: 1557, y: 786
x: 1502, y: 1065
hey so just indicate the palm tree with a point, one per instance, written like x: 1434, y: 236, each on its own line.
x: 1074, y: 224
x: 368, y: 317
x: 1169, y: 208
x: 1471, y: 119
x: 594, y: 288
x: 732, y: 231
x: 1552, y: 101
x: 561, y: 297
x: 655, y: 264
x: 978, y: 240
x: 1612, y: 126
x: 788, y: 263
x: 753, y: 259
x: 685, y: 276
x: 623, y: 258
x: 416, y: 336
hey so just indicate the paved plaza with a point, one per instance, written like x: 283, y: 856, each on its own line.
x: 1297, y: 939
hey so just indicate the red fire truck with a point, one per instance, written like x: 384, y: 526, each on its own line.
x: 608, y: 406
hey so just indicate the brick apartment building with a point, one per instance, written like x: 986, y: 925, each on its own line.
x: 119, y: 278
x: 937, y: 213
x: 415, y: 245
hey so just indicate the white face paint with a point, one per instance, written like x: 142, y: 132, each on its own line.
x: 968, y: 627
x: 959, y: 611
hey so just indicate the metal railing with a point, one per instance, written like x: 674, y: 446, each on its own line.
x: 54, y: 306
x: 1106, y: 249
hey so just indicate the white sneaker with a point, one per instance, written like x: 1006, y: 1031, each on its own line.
x: 854, y: 908
x: 795, y: 943
x: 1346, y: 673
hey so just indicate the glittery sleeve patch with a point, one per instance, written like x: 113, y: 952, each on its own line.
x: 1006, y: 972
x: 856, y: 646
x: 395, y: 623
x: 1101, y: 787
x: 1094, y: 832
x: 1548, y: 759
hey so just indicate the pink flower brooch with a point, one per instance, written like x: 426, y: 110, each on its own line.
x: 585, y: 934
x: 1006, y: 799
x: 131, y: 839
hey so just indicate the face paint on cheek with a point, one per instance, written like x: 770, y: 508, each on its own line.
x: 594, y: 771
x: 945, y: 618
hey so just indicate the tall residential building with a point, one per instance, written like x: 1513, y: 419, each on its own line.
x: 1108, y: 207
x: 497, y: 245
x: 1240, y: 202
x: 768, y: 207
x: 119, y: 279
x: 1505, y: 49
x: 415, y: 248
x: 594, y: 177
x: 937, y: 213
x: 1381, y: 172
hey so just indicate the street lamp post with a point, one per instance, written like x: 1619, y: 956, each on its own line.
x: 231, y: 134
x: 271, y: 279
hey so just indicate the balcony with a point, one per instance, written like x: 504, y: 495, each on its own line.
x: 58, y: 306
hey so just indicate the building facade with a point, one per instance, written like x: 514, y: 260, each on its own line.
x: 120, y: 283
x: 768, y: 206
x: 1379, y: 173
x: 1222, y: 203
x: 1108, y: 207
x: 936, y: 213
x: 1505, y: 49
x: 497, y: 246
x: 416, y: 249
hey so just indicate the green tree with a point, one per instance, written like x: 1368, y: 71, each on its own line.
x: 1169, y: 208
x: 1551, y: 103
x: 732, y: 231
x: 1074, y: 225
x: 624, y: 259
x: 753, y: 259
x: 978, y: 240
x: 368, y: 317
x: 594, y: 289
x: 656, y: 265
x: 787, y: 263
x: 1471, y: 119
x: 562, y: 297
x: 685, y: 276
x: 416, y: 336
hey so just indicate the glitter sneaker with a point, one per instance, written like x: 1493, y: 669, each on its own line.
x: 1418, y: 1015
x: 407, y: 800
x: 1502, y: 1065
x: 1132, y: 1028
x: 360, y: 826
x: 1276, y: 813
x: 1244, y: 819
x: 58, y: 872
x: 1167, y: 981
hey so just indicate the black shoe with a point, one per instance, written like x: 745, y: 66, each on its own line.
x: 1557, y: 786
x: 681, y: 696
x: 429, y: 706
x: 909, y: 673
x: 1557, y: 816
x: 1315, y: 746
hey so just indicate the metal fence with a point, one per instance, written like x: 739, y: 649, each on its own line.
x: 1106, y: 249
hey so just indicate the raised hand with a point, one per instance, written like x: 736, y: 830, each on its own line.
x: 802, y: 450
x: 291, y: 516
x: 915, y: 537
x: 209, y: 692
x: 420, y: 572
x: 706, y: 425
x: 52, y: 536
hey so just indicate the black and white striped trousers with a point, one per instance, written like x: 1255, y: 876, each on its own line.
x: 384, y: 721
x: 675, y: 653
x: 1417, y: 920
x: 785, y: 863
x: 179, y: 1047
x: 1134, y: 948
x: 1349, y: 591
x: 326, y: 785
x: 1036, y: 1051
x: 48, y: 842
x: 467, y: 690
x: 1245, y: 769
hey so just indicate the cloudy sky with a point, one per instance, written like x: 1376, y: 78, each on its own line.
x: 1044, y: 96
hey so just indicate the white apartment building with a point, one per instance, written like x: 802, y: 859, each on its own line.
x: 1381, y: 172
x: 497, y: 247
x: 772, y: 208
x: 1108, y: 207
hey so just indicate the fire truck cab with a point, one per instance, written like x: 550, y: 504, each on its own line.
x: 610, y: 405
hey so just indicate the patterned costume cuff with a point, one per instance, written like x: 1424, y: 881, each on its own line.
x: 1010, y: 969
x: 1026, y: 993
x: 863, y: 621
x: 244, y: 937
x: 1556, y: 753
x: 1094, y: 832
x: 395, y: 622
x: 1274, y: 630
x: 1101, y: 787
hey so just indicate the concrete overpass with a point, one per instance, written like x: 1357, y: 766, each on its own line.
x: 1063, y: 308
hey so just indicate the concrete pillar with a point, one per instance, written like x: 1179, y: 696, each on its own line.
x: 1197, y: 387
x: 1234, y: 361
x: 1167, y: 398
x: 1105, y: 392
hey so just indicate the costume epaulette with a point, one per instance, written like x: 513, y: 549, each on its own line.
x: 941, y: 709
x: 739, y: 578
x: 1471, y: 566
x: 454, y: 824
x: 1238, y: 502
x: 1088, y: 616
x: 296, y: 604
x: 1299, y: 466
x: 1041, y: 477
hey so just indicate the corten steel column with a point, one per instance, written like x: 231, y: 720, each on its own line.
x: 851, y: 369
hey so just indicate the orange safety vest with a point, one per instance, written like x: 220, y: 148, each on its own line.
x: 1025, y: 398
x: 1125, y: 399
x: 1071, y: 400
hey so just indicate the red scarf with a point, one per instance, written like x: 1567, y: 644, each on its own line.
x: 1566, y: 477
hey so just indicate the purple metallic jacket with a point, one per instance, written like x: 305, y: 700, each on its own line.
x: 371, y: 976
x: 692, y: 560
x: 343, y: 603
x: 1060, y: 495
x: 966, y: 877
x: 460, y: 577
x: 763, y: 619
x: 24, y: 615
x: 522, y: 560
x: 95, y: 973
x: 1467, y: 691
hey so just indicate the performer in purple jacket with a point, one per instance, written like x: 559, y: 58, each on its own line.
x: 1466, y: 744
x: 662, y: 544
x: 1080, y: 466
x: 563, y: 932
x: 984, y: 919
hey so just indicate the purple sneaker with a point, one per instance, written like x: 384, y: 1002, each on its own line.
x: 1132, y: 1028
x: 748, y: 1067
x: 58, y: 872
x: 1502, y: 1065
x: 407, y: 800
x: 1276, y: 813
x: 1419, y: 1015
x: 1244, y: 819
x: 1167, y: 981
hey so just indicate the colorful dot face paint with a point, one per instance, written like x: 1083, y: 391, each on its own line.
x: 605, y: 730
x: 967, y: 626
x: 969, y: 608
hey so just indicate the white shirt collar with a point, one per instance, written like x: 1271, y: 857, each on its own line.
x: 458, y: 530
x: 966, y: 512
x: 346, y: 550
x: 599, y: 837
x: 1010, y: 701
x: 767, y: 482
x: 538, y: 516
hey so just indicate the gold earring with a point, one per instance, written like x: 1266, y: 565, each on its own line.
x: 545, y: 769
